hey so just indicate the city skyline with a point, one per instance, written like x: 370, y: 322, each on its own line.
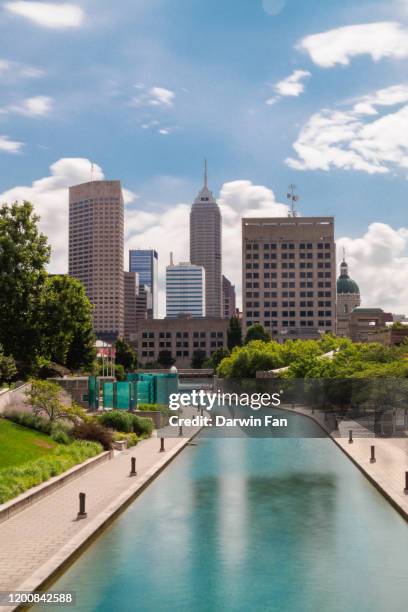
x: 256, y: 101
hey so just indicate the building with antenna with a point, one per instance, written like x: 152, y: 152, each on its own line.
x: 205, y: 246
x: 185, y: 290
x: 289, y: 275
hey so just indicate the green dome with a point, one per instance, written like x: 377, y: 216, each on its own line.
x: 346, y: 285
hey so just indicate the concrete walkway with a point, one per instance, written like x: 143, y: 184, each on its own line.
x: 35, y: 542
x: 388, y: 471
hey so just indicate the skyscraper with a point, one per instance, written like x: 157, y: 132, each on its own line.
x: 289, y: 275
x: 205, y: 246
x: 96, y: 251
x: 228, y: 298
x: 131, y: 290
x: 185, y: 290
x: 145, y: 263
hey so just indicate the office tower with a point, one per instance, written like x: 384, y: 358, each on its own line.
x: 185, y: 290
x: 96, y: 251
x: 205, y: 246
x: 289, y: 275
x: 131, y: 290
x: 228, y: 298
x: 145, y: 263
x: 348, y: 298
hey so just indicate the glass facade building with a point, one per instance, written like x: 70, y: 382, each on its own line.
x: 145, y: 263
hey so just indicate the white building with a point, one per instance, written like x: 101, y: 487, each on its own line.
x: 185, y: 290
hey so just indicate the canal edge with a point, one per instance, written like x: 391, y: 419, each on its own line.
x: 394, y: 503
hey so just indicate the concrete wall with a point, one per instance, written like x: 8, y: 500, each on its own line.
x: 13, y: 398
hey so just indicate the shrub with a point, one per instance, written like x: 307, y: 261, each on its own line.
x: 60, y: 436
x: 155, y: 408
x: 141, y: 426
x: 94, y: 431
x: 16, y: 480
x: 117, y: 420
x: 131, y: 438
x: 58, y: 431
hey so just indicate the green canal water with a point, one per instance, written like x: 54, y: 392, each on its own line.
x: 285, y: 525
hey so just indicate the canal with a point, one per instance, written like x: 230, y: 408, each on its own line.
x: 274, y: 524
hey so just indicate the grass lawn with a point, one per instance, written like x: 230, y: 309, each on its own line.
x: 19, y: 444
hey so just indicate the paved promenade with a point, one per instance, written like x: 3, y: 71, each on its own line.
x: 35, y: 542
x: 388, y: 471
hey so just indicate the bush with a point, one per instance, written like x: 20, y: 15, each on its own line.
x: 60, y: 436
x: 16, y: 480
x: 131, y: 438
x: 93, y: 431
x: 58, y: 432
x: 141, y: 426
x: 155, y: 408
x: 117, y: 420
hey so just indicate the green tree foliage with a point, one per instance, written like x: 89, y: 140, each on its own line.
x: 45, y: 399
x: 199, y: 357
x: 66, y: 323
x: 24, y: 253
x: 8, y: 368
x: 125, y: 355
x: 234, y: 333
x: 257, y: 332
x: 218, y: 355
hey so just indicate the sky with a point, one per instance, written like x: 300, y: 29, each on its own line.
x: 271, y: 92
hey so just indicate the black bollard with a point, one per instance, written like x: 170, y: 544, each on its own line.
x: 406, y: 483
x: 202, y: 411
x: 162, y: 445
x: 82, y: 513
x: 350, y: 436
x: 372, y: 458
x: 133, y: 467
x: 336, y: 425
x: 180, y: 431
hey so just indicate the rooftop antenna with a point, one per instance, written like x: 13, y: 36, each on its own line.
x: 205, y: 174
x: 92, y: 171
x: 171, y: 259
x: 344, y: 254
x: 293, y: 197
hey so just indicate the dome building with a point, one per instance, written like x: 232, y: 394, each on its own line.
x: 348, y: 298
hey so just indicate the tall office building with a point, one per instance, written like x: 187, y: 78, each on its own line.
x: 205, y: 246
x: 96, y: 251
x: 289, y: 275
x: 145, y: 263
x: 185, y: 290
x: 228, y: 298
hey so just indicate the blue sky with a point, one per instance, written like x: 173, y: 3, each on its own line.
x: 147, y: 88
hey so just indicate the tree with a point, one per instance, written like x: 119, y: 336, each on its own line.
x: 125, y: 355
x: 8, y: 368
x: 66, y: 323
x: 199, y: 356
x: 257, y: 332
x: 24, y: 253
x: 166, y: 359
x: 234, y: 333
x: 218, y: 355
x: 45, y: 399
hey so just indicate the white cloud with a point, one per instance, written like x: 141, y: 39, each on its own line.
x: 338, y: 46
x: 9, y: 146
x: 360, y: 138
x: 48, y: 15
x: 154, y: 96
x: 378, y: 262
x: 15, y: 70
x: 38, y: 106
x: 292, y: 85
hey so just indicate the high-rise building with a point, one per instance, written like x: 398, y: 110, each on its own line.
x: 205, y: 246
x: 228, y: 298
x: 185, y: 290
x: 289, y: 275
x: 144, y: 303
x: 96, y: 251
x: 348, y: 298
x: 145, y: 263
x: 131, y: 280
